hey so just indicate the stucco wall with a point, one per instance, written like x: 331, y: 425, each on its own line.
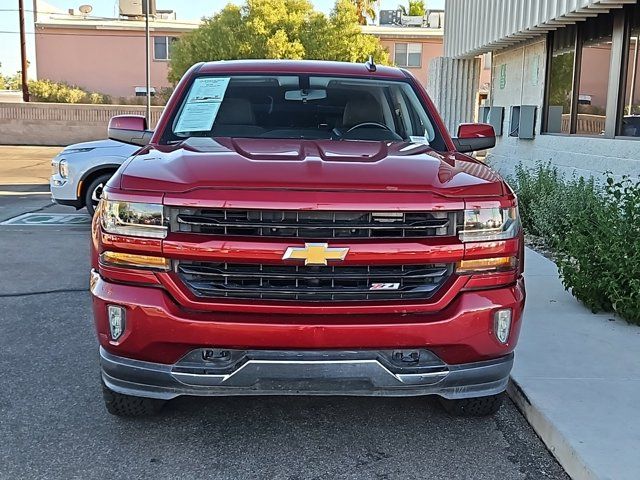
x: 110, y: 62
x: 430, y: 50
x: 60, y: 124
x: 521, y: 70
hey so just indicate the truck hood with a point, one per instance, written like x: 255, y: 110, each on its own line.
x: 308, y: 165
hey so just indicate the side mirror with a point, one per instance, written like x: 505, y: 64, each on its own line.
x: 129, y: 129
x: 475, y: 136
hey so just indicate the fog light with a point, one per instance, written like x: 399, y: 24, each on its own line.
x: 116, y: 321
x: 502, y: 324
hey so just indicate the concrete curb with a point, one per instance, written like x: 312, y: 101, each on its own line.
x: 558, y: 445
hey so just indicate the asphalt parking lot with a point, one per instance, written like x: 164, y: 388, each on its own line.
x: 53, y: 423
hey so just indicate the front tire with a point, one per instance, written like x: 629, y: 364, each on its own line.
x: 94, y: 192
x: 473, y: 407
x: 129, y: 406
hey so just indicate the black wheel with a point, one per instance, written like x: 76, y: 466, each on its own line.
x: 129, y: 406
x: 94, y: 192
x: 473, y: 407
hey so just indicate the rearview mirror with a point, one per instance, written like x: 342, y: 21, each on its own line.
x: 304, y: 95
x: 474, y: 136
x: 129, y: 129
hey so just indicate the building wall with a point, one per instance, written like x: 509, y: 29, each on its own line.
x: 110, y: 62
x: 430, y: 50
x: 521, y: 69
x: 60, y: 123
x: 453, y: 107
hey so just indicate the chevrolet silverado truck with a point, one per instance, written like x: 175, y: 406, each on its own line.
x: 305, y: 228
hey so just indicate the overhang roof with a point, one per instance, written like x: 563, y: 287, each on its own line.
x: 474, y: 27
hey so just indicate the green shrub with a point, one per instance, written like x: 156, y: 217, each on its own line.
x: 594, y: 232
x: 59, y: 92
x: 531, y: 186
x: 11, y: 82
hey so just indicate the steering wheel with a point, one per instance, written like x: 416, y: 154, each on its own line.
x: 369, y: 124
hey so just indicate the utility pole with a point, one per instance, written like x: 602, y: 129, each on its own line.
x: 23, y: 52
x: 147, y: 62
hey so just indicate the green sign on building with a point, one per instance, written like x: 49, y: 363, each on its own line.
x: 503, y: 76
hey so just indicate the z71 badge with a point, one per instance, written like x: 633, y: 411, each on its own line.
x: 384, y: 286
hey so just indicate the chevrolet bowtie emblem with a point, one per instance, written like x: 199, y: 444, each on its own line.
x: 315, y: 253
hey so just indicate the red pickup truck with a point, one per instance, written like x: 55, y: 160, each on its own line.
x: 305, y: 228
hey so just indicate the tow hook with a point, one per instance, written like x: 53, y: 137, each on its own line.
x: 407, y: 357
x: 215, y: 355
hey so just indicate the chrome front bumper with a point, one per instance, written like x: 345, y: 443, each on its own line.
x: 221, y: 372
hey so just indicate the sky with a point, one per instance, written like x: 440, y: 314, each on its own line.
x: 186, y: 10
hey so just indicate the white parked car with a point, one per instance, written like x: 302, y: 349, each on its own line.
x: 81, y: 170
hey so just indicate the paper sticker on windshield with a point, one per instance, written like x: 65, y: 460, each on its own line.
x: 419, y: 139
x: 202, y: 105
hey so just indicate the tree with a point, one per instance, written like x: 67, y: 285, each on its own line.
x: 416, y: 8
x: 11, y: 82
x: 365, y: 9
x: 277, y: 29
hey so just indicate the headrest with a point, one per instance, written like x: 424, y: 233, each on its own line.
x: 236, y: 111
x: 361, y: 109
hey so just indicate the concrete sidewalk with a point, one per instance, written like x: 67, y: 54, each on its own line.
x: 577, y: 379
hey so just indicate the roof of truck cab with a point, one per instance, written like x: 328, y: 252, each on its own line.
x: 309, y: 67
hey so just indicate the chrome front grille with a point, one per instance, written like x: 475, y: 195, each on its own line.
x: 311, y: 283
x: 312, y: 224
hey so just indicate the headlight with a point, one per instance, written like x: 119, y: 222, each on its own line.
x: 63, y: 169
x: 133, y: 219
x: 490, y: 224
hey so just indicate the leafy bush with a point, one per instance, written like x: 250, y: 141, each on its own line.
x: 48, y: 91
x: 159, y: 99
x: 11, y: 82
x: 594, y: 231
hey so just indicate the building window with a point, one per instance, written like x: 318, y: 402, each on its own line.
x: 560, y: 84
x: 486, y: 61
x: 595, y: 64
x: 630, y: 124
x: 590, y: 65
x: 408, y: 55
x: 162, y: 47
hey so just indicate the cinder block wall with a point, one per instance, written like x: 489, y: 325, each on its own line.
x: 60, y: 124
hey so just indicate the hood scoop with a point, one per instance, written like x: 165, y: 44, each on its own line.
x: 292, y: 149
x: 316, y: 165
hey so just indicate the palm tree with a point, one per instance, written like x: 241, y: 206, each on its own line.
x: 416, y: 7
x: 366, y: 9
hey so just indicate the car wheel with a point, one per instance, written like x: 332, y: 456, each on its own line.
x: 129, y: 406
x: 94, y: 192
x: 473, y: 407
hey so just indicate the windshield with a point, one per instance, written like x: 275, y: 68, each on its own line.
x: 302, y: 107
